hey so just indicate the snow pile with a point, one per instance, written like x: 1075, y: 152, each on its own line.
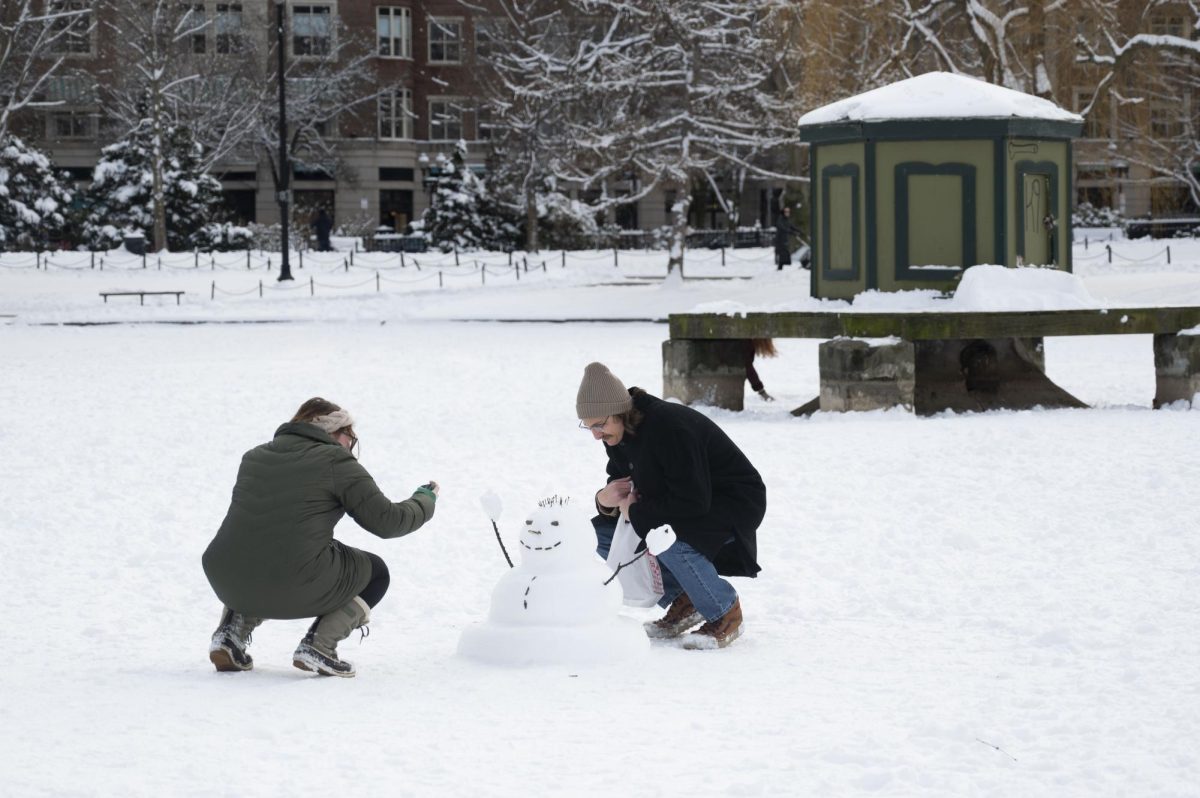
x: 1001, y: 288
x: 558, y: 605
x: 938, y: 95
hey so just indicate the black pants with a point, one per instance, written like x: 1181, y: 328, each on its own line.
x: 380, y: 579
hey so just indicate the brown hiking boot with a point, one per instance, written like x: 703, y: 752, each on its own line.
x: 718, y: 633
x: 681, y: 616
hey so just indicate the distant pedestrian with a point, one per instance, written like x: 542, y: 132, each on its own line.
x: 322, y: 225
x: 783, y: 233
x: 760, y: 347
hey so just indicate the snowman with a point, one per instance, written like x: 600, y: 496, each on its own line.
x: 560, y: 604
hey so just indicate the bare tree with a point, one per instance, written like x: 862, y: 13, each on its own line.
x: 331, y: 77
x: 1151, y: 75
x: 35, y: 40
x: 520, y: 46
x: 670, y: 93
x: 149, y: 94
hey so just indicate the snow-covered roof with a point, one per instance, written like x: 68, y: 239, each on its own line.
x: 938, y: 95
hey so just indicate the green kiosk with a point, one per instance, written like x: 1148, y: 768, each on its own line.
x: 916, y: 181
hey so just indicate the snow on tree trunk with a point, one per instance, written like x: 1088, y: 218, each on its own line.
x: 124, y: 195
x: 679, y: 228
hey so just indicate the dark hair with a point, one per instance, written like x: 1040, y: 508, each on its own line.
x: 764, y: 347
x: 632, y: 417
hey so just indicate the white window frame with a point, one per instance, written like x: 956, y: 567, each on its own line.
x: 1166, y: 120
x: 1168, y: 23
x: 396, y: 17
x: 229, y: 25
x: 437, y: 29
x: 1083, y: 96
x: 77, y: 108
x: 486, y: 35
x: 447, y: 104
x: 485, y: 127
x: 196, y: 16
x: 79, y: 125
x: 85, y: 33
x: 331, y: 39
x: 395, y: 115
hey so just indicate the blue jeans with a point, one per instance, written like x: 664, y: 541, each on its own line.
x: 684, y: 570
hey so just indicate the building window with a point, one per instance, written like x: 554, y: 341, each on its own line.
x: 312, y: 30
x: 70, y: 125
x: 1097, y: 124
x: 490, y: 32
x: 1166, y: 121
x: 194, y: 20
x: 485, y: 127
x: 396, y: 208
x: 445, y: 40
x: 73, y: 30
x: 228, y: 28
x: 445, y: 119
x: 395, y: 114
x: 74, y: 111
x: 1169, y: 25
x: 394, y: 26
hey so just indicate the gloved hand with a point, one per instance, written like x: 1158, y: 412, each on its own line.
x: 430, y: 489
x: 766, y: 396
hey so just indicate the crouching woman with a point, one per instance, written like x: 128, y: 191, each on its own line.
x: 274, y: 555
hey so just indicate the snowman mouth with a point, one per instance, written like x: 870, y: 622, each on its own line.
x: 541, y: 548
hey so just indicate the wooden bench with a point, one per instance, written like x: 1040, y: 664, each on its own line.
x: 928, y: 362
x: 141, y: 295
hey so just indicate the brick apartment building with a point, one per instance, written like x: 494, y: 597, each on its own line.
x: 425, y: 48
x: 388, y: 151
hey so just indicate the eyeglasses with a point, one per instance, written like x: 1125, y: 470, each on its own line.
x: 353, y: 442
x: 595, y: 427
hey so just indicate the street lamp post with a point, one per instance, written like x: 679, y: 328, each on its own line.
x: 285, y: 169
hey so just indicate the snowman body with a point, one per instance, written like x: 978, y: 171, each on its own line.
x: 554, y: 607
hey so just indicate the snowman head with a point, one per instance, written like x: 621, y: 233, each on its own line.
x: 557, y: 536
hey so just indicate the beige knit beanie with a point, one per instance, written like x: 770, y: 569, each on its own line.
x: 601, y: 393
x: 332, y: 422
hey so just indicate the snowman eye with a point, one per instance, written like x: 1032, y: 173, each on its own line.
x: 528, y: 522
x: 553, y: 523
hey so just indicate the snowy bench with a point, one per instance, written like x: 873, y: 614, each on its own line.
x: 141, y: 295
x: 929, y: 362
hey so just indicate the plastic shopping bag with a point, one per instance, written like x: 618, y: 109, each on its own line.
x: 638, y: 572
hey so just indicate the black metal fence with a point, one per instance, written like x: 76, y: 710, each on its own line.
x: 610, y: 239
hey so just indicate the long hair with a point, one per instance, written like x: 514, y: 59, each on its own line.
x: 632, y: 417
x: 764, y: 347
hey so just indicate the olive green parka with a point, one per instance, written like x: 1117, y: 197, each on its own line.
x: 274, y: 555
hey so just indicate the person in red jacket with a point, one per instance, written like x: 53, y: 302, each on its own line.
x: 669, y: 464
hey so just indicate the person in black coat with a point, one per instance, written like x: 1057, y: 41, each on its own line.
x: 783, y: 233
x: 323, y: 226
x: 669, y: 464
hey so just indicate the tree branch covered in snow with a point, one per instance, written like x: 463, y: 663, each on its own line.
x: 32, y: 39
x: 520, y: 50
x: 1117, y: 56
x: 323, y: 91
x: 667, y: 95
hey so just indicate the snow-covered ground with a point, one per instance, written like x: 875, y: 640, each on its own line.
x: 996, y: 604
